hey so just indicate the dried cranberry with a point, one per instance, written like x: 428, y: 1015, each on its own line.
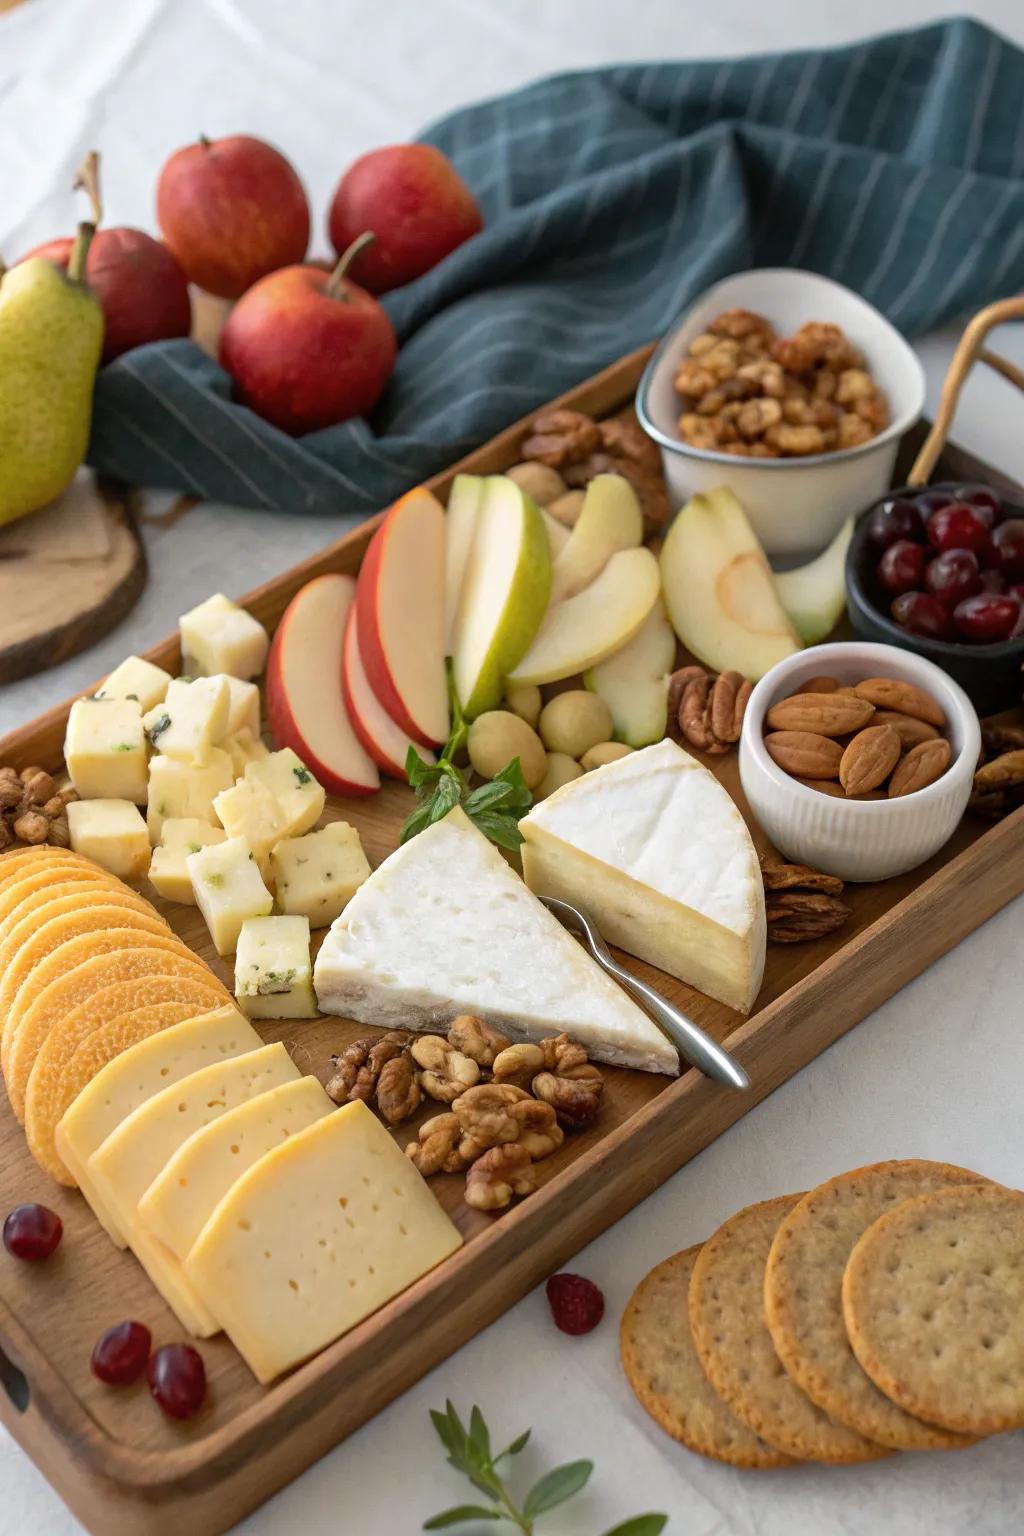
x: 177, y: 1379
x: 923, y: 614
x: 576, y: 1304
x: 987, y: 617
x: 898, y: 519
x: 901, y: 568
x: 1008, y: 544
x: 120, y: 1355
x: 958, y: 527
x: 953, y: 576
x: 32, y: 1232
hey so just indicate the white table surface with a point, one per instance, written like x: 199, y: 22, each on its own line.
x: 934, y: 1073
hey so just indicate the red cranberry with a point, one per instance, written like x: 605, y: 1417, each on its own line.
x: 898, y: 519
x: 984, y: 501
x: 32, y: 1232
x: 901, y: 568
x: 177, y: 1379
x: 1008, y: 543
x: 953, y: 576
x: 986, y: 617
x: 992, y: 581
x: 958, y: 527
x: 923, y: 614
x: 120, y: 1355
x: 576, y: 1304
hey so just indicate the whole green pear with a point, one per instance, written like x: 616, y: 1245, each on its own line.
x: 51, y: 336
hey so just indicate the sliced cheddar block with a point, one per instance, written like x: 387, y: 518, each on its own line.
x: 182, y: 1197
x: 136, y: 679
x: 144, y: 1067
x: 130, y: 1158
x: 111, y: 832
x: 314, y: 1237
x: 52, y: 1083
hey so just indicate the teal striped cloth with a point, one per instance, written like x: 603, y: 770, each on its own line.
x: 612, y: 198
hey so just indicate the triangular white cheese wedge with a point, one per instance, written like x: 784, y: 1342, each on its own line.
x: 656, y: 851
x: 446, y: 927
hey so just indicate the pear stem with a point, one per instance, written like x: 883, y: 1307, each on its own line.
x: 88, y: 181
x: 333, y: 288
x: 80, y: 252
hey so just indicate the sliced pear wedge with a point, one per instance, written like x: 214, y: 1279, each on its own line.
x: 583, y: 630
x: 814, y: 595
x: 460, y: 523
x: 633, y: 681
x: 610, y: 519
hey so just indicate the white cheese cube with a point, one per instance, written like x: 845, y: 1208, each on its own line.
x: 136, y: 679
x: 105, y: 749
x: 244, y: 748
x: 185, y: 789
x: 273, y: 971
x: 113, y: 833
x: 243, y: 707
x: 300, y: 797
x: 227, y: 887
x: 218, y: 636
x: 180, y: 836
x: 191, y: 720
x: 316, y: 874
x: 249, y: 810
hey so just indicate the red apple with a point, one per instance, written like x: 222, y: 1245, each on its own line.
x: 400, y: 616
x: 140, y: 286
x: 308, y: 348
x: 232, y: 210
x: 417, y: 205
x: 385, y: 741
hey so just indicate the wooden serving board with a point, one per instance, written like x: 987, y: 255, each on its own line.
x: 124, y: 1468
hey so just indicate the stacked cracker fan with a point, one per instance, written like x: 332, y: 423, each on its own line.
x: 882, y: 1311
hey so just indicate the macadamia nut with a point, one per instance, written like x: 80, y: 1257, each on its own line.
x: 575, y: 721
x: 498, y: 736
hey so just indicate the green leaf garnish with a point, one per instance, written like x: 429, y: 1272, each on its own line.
x: 460, y: 1513
x: 494, y: 807
x: 557, y: 1486
x: 640, y: 1525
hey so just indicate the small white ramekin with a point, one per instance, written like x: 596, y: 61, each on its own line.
x: 795, y: 505
x: 857, y: 839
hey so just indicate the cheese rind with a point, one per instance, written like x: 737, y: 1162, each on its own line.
x: 184, y: 789
x: 191, y: 720
x: 136, y: 679
x: 314, y: 1237
x: 317, y: 874
x: 228, y: 888
x: 273, y: 971
x: 111, y: 833
x: 445, y: 927
x: 105, y: 749
x: 219, y: 636
x: 656, y: 851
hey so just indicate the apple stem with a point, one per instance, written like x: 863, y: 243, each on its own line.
x: 88, y: 181
x: 204, y: 141
x: 80, y: 252
x: 348, y: 256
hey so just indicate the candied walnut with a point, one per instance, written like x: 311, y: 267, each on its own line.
x: 852, y: 431
x: 825, y: 384
x: 763, y: 451
x: 37, y: 785
x: 816, y: 343
x: 874, y: 410
x: 480, y: 1041
x: 763, y: 377
x: 795, y: 441
x: 757, y: 416
x: 518, y: 1064
x: 484, y: 1112
x: 702, y: 343
x: 854, y: 384
x: 574, y: 1093
x: 624, y: 440
x: 446, y: 1072
x: 561, y: 437
x: 31, y: 827
x: 359, y: 1065
x: 398, y: 1090
x: 799, y: 411
x: 723, y: 360
x: 707, y: 432
x: 437, y: 1149
x: 693, y: 378
x: 730, y: 391
x: 497, y: 1176
x: 741, y: 325
x: 539, y: 1131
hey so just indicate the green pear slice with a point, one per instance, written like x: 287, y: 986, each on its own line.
x: 460, y: 524
x: 504, y: 594
x: 814, y: 595
x: 583, y: 630
x: 633, y: 681
x: 558, y: 533
x: 610, y: 519
x: 719, y: 590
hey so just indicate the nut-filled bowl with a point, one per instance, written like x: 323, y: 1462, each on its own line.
x: 858, y: 839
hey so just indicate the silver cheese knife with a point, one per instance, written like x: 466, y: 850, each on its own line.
x: 692, y: 1043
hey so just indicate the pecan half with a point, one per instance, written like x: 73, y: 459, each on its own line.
x: 574, y: 1095
x: 558, y: 438
x: 1003, y: 772
x: 707, y: 712
x: 498, y: 1175
x: 997, y: 739
x: 787, y: 877
x: 795, y: 917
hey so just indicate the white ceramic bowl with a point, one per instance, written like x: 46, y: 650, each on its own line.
x: 857, y: 839
x: 795, y: 505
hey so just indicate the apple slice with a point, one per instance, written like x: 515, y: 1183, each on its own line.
x: 610, y: 519
x: 304, y: 695
x: 634, y: 681
x: 385, y: 741
x: 460, y: 529
x: 719, y: 589
x: 400, y: 613
x: 586, y: 628
x: 814, y: 595
x: 504, y: 594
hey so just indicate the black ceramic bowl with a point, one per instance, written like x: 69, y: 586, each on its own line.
x: 991, y: 675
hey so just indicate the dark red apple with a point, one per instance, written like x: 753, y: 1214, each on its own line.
x: 308, y: 348
x: 140, y: 286
x: 417, y: 205
x: 232, y: 210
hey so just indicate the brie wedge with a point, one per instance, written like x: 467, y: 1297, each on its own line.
x: 657, y: 853
x: 446, y: 927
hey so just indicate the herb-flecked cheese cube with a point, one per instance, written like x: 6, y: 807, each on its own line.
x: 249, y: 810
x: 180, y: 836
x: 228, y: 888
x: 299, y: 796
x: 318, y: 873
x: 105, y: 749
x: 243, y: 707
x: 136, y: 679
x: 191, y: 720
x: 185, y: 789
x: 244, y: 748
x: 111, y: 832
x: 273, y: 971
x: 218, y: 636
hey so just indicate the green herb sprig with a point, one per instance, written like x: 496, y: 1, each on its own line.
x: 469, y: 1452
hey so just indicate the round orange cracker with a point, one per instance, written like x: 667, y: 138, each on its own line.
x: 41, y: 906
x: 18, y: 860
x: 49, y: 877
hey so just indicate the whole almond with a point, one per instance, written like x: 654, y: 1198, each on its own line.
x: 820, y: 685
x: 892, y: 693
x: 805, y: 753
x: 826, y: 714
x: 921, y: 766
x: 910, y: 730
x: 823, y: 786
x: 869, y: 759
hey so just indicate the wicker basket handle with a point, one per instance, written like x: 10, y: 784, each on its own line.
x: 970, y: 348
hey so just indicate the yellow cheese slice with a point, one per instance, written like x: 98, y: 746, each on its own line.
x: 314, y: 1237
x: 180, y: 1200
x: 144, y: 1067
x: 128, y: 1161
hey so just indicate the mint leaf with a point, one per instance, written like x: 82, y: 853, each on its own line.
x: 557, y: 1486
x: 446, y: 797
x: 479, y: 1433
x: 457, y: 1515
x: 419, y: 772
x: 640, y: 1525
x: 500, y: 827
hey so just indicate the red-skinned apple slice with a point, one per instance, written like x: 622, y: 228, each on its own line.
x: 400, y: 617
x: 385, y: 741
x: 305, y: 702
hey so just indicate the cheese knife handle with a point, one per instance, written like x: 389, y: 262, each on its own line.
x: 692, y: 1043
